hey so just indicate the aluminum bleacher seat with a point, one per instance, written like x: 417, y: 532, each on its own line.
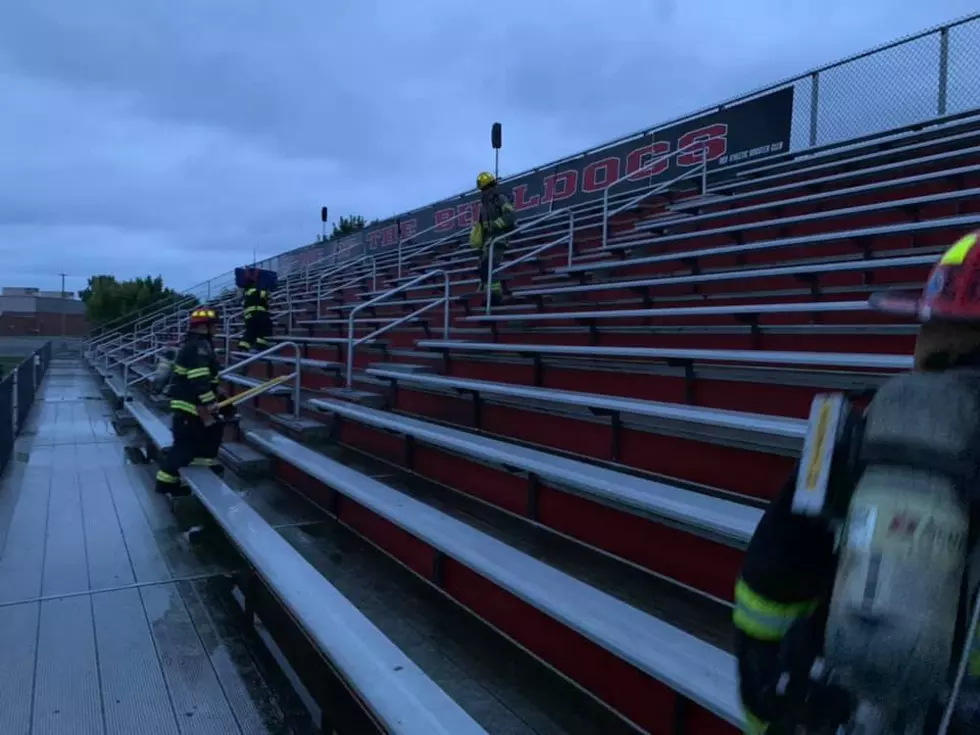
x: 714, y: 518
x: 390, y: 685
x: 909, y: 155
x: 774, y: 357
x: 737, y: 276
x: 695, y: 669
x: 736, y: 232
x: 398, y: 694
x: 884, y: 188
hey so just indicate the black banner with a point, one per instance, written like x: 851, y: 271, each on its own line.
x: 748, y: 131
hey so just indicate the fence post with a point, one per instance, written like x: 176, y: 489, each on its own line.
x: 13, y: 401
x: 814, y: 106
x: 943, y: 71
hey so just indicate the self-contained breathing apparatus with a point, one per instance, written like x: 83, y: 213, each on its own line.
x: 897, y: 484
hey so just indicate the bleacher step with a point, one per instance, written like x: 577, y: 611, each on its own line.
x: 402, y: 367
x: 695, y: 202
x: 122, y: 420
x: 360, y: 397
x: 244, y: 461
x: 301, y: 429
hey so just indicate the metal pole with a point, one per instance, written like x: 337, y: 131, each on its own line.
x: 489, y: 281
x: 64, y: 306
x: 445, y: 306
x: 943, y: 71
x: 605, y: 216
x: 571, y: 235
x: 350, y: 348
x: 814, y: 106
x: 227, y: 339
x: 704, y: 171
x: 374, y: 273
x: 399, y: 255
x: 296, y: 382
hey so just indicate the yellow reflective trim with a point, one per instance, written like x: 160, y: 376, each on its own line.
x: 167, y: 477
x: 764, y: 619
x: 753, y: 725
x: 974, y: 664
x: 202, y: 372
x: 958, y: 252
x: 180, y: 370
x: 177, y: 405
x: 202, y: 462
x: 207, y: 397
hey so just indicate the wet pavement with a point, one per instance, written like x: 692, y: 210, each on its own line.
x: 110, y: 622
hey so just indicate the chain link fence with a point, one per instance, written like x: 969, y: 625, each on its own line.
x: 915, y: 79
x: 17, y: 392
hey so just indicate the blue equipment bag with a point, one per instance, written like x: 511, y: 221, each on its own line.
x: 266, y: 280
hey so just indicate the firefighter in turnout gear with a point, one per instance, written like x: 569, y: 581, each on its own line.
x: 194, y: 395
x: 496, y: 218
x: 791, y: 596
x: 258, y: 324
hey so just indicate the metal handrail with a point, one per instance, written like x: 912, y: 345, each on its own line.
x: 295, y: 377
x: 133, y: 360
x: 352, y: 344
x: 569, y: 237
x: 131, y: 318
x: 606, y: 214
x: 341, y: 287
x: 422, y: 232
x: 345, y: 266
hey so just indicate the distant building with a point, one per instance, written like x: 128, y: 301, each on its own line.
x: 31, y: 311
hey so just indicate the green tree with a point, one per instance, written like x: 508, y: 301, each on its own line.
x: 107, y: 299
x: 347, y: 226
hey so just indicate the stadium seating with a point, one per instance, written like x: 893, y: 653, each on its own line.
x: 641, y: 401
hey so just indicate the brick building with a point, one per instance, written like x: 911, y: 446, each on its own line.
x: 32, y: 312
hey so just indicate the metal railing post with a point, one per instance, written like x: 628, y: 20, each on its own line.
x: 297, y: 384
x: 227, y: 338
x: 943, y: 72
x: 814, y: 106
x: 488, y: 285
x: 352, y: 343
x: 297, y: 372
x: 399, y: 256
x: 445, y: 305
x: 571, y: 236
x: 605, y: 216
x: 704, y: 171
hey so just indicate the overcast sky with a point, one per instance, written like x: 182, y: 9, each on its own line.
x: 173, y: 137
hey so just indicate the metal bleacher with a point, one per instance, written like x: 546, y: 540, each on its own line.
x: 528, y: 519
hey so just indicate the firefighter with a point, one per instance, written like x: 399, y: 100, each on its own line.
x: 255, y: 304
x: 496, y: 218
x: 194, y: 395
x: 782, y: 595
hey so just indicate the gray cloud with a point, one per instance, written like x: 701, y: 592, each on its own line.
x: 176, y: 137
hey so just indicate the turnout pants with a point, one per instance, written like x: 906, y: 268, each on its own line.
x: 496, y: 289
x: 258, y: 328
x: 194, y: 444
